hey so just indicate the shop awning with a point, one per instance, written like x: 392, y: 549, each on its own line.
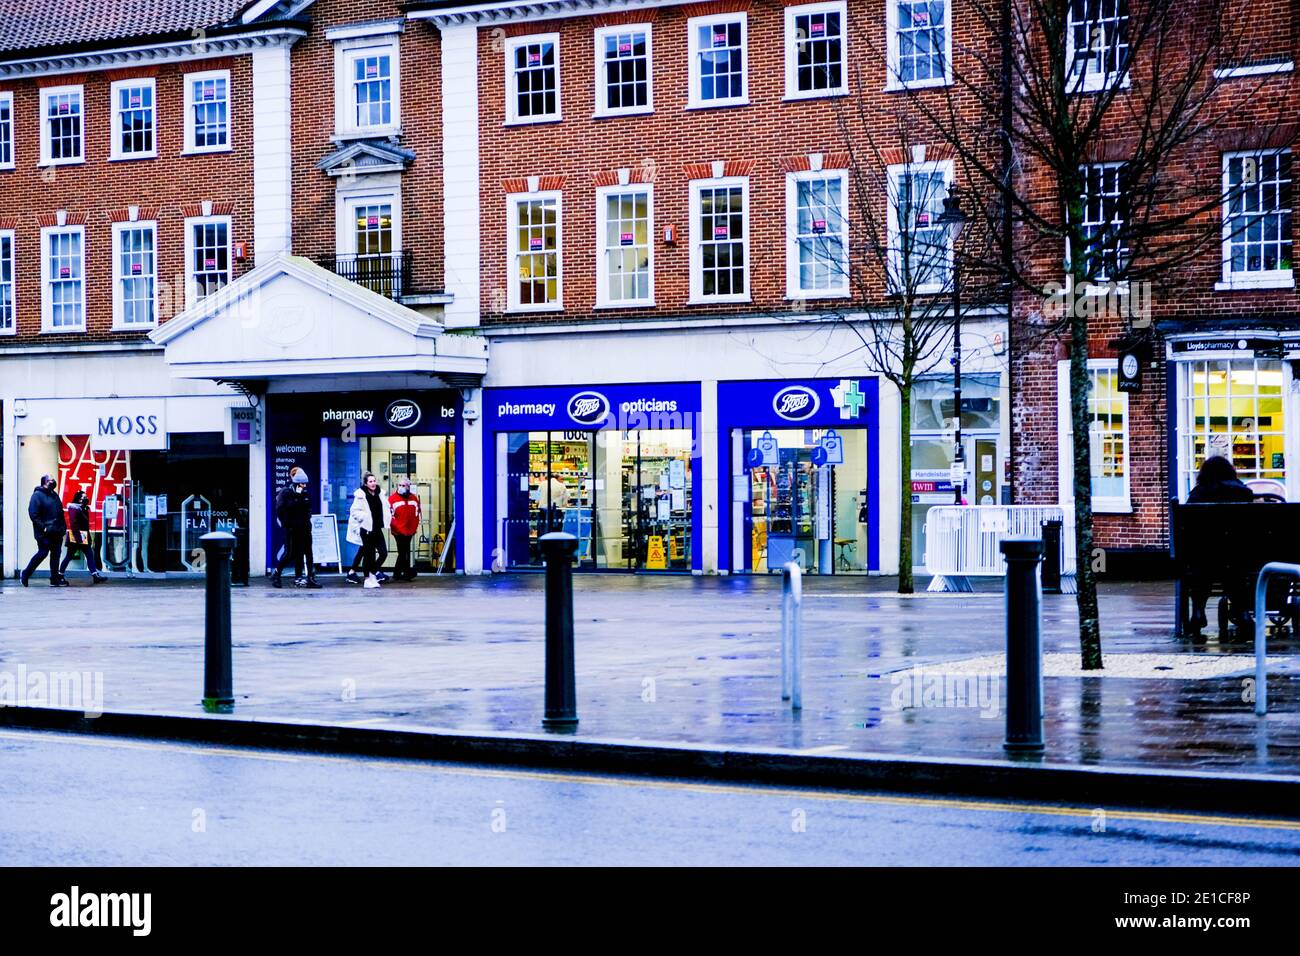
x: 291, y: 318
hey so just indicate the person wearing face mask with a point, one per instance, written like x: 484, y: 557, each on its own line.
x: 79, y: 538
x: 405, y: 507
x: 293, y: 509
x: 367, y: 520
x: 45, y: 508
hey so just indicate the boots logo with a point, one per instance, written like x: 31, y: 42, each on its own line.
x: 796, y: 403
x: 402, y: 413
x: 589, y: 408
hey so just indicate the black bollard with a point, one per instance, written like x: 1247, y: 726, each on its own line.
x: 218, y: 684
x: 558, y: 548
x: 1024, y: 647
x: 1052, y: 556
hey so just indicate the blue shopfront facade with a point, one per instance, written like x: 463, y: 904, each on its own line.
x: 800, y: 467
x: 336, y: 437
x: 617, y: 465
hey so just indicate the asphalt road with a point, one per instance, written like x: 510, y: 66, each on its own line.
x: 72, y: 801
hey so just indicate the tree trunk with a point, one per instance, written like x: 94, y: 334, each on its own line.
x: 1089, y: 619
x: 905, y: 583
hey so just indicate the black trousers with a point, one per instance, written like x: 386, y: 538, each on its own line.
x: 372, y: 554
x: 46, y: 544
x: 297, y: 550
x: 403, y: 554
x: 92, y: 563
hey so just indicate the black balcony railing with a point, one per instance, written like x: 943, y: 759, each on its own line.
x: 389, y: 273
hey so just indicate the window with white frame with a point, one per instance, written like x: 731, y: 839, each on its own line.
x: 8, y: 320
x: 63, y: 261
x: 1097, y: 51
x: 718, y: 65
x: 534, y: 224
x: 6, y: 131
x: 62, y: 133
x: 533, y: 79
x: 817, y: 261
x: 1234, y: 408
x: 207, y: 256
x: 135, y: 275
x: 133, y: 119
x: 373, y: 236
x: 1105, y: 254
x: 367, y: 89
x: 623, y: 70
x: 920, y: 43
x: 920, y: 249
x: 625, y: 268
x: 1108, y: 451
x: 815, y: 42
x: 207, y: 112
x: 1257, y: 219
x: 720, y: 240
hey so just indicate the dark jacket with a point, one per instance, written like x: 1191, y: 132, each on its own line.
x: 79, y: 523
x: 46, y: 511
x: 1220, y: 492
x: 293, y: 510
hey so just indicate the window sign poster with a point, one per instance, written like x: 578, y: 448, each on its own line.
x: 110, y: 509
x: 719, y: 232
x: 679, y: 499
x: 769, y: 450
x: 833, y: 445
x: 626, y: 238
x: 162, y: 506
x: 677, y: 473
x: 719, y: 37
x: 663, y: 481
x: 663, y: 508
x: 819, y: 226
x: 150, y: 507
x: 534, y: 243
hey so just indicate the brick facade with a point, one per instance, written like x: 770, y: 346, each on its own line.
x: 421, y: 117
x: 99, y: 190
x: 673, y: 145
x: 1251, y: 112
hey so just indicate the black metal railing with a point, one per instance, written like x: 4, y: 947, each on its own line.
x: 389, y: 273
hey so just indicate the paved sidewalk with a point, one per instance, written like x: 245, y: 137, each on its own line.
x: 672, y: 660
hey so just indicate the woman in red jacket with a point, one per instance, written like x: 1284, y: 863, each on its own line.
x: 405, y: 506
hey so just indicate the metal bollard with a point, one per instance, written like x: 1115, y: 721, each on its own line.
x: 558, y: 548
x: 218, y: 684
x: 1024, y: 647
x: 1052, y: 556
x: 792, y: 635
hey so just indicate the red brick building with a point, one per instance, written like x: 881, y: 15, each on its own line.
x: 1215, y: 341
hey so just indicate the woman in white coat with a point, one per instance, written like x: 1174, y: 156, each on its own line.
x: 367, y: 520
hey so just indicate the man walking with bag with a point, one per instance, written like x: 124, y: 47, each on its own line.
x: 48, y: 525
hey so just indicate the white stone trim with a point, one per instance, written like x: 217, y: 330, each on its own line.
x: 272, y: 154
x: 131, y: 56
x: 460, y: 174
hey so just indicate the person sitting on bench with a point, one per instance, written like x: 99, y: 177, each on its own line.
x: 1217, y: 483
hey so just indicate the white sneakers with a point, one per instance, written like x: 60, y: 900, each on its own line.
x: 371, y: 581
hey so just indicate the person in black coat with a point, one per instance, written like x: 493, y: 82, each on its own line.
x: 79, y: 538
x: 45, y: 508
x: 1217, y: 483
x: 293, y: 509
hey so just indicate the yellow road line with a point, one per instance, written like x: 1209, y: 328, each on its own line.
x: 413, y: 766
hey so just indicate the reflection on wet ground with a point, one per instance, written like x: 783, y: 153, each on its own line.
x: 674, y: 659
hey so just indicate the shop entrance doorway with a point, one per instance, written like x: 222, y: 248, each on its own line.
x: 428, y: 461
x: 797, y: 503
x: 626, y: 497
x: 153, y: 521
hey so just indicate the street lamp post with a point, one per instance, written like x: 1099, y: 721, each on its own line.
x: 954, y: 218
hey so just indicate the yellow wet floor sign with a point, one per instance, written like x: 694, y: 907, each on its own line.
x: 654, y: 555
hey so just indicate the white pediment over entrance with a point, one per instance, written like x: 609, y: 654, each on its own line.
x: 291, y: 317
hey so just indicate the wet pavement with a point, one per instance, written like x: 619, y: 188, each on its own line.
x: 669, y: 659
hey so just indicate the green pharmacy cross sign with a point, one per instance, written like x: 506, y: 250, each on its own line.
x: 848, y: 398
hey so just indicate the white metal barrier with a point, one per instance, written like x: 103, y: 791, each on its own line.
x: 792, y: 635
x: 1274, y: 569
x: 962, y: 542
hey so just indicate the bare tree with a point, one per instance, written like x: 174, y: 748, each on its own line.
x: 902, y: 262
x: 1074, y: 119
